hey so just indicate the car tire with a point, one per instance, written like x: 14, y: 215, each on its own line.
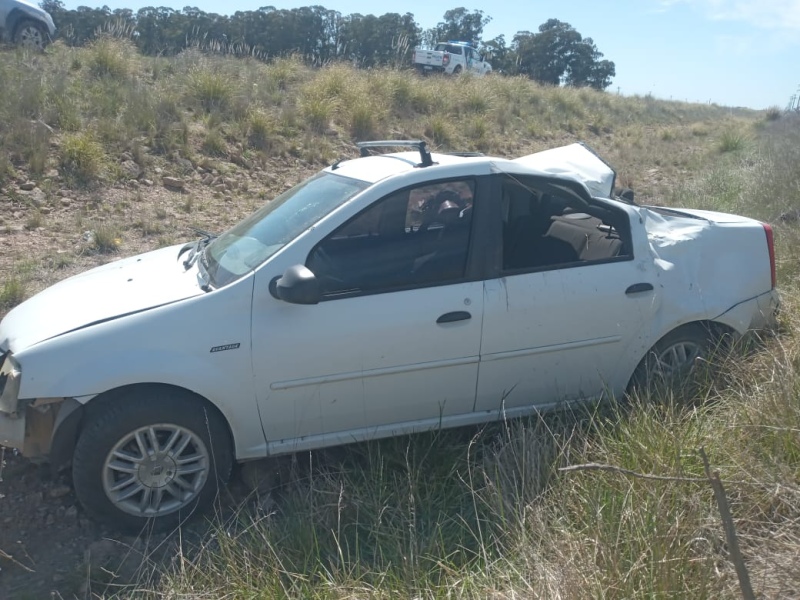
x: 676, y: 364
x: 127, y: 463
x: 31, y: 34
x: 457, y: 70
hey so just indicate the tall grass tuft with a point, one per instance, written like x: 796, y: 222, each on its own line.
x: 261, y: 130
x: 212, y: 89
x: 733, y: 140
x: 82, y: 158
x: 439, y: 128
x: 773, y: 113
x: 12, y: 292
x: 112, y: 57
x: 317, y: 110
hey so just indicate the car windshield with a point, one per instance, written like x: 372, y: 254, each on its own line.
x: 253, y: 240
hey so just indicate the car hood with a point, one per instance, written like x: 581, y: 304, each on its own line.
x: 577, y: 161
x: 113, y: 290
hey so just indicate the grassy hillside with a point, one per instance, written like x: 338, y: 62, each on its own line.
x: 88, y: 137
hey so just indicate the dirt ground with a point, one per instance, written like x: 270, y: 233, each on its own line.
x: 50, y: 549
x: 45, y: 540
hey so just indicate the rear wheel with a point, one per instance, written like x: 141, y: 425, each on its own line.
x: 151, y: 453
x: 31, y: 34
x: 457, y: 70
x: 676, y: 363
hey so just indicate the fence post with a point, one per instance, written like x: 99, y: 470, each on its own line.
x: 730, y: 529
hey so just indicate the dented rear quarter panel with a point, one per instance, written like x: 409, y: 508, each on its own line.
x: 706, y: 264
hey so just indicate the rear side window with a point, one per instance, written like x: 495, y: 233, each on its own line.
x: 545, y: 230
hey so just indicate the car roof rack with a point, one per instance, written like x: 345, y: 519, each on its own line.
x: 422, y: 146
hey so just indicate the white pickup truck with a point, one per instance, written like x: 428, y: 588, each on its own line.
x: 451, y: 58
x: 383, y: 296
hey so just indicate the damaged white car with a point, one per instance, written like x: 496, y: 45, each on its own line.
x: 385, y: 295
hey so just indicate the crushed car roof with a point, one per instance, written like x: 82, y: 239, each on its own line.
x: 575, y: 162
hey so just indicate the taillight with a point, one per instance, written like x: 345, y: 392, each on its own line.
x: 771, y: 247
x: 445, y: 59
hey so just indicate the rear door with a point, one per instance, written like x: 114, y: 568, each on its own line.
x: 565, y: 318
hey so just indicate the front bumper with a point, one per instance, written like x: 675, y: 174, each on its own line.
x: 31, y: 429
x: 12, y: 430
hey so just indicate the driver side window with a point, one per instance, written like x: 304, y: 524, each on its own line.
x: 417, y: 236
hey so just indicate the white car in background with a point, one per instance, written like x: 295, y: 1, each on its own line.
x: 386, y: 295
x: 25, y: 23
x: 451, y: 58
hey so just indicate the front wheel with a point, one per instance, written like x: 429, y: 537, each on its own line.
x: 31, y: 34
x: 150, y: 453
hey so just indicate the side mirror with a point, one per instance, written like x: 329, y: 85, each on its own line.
x: 297, y: 285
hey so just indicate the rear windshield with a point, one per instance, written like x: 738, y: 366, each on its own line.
x: 449, y: 48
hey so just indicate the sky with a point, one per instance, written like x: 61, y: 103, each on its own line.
x: 729, y: 52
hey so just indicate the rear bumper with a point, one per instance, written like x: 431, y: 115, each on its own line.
x: 753, y: 315
x: 769, y: 306
x: 430, y: 68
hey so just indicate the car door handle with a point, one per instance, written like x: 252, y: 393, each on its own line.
x: 637, y: 288
x: 451, y: 317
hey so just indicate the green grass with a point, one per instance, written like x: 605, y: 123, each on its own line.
x: 12, y: 292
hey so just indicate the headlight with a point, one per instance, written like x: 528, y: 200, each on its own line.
x: 9, y: 384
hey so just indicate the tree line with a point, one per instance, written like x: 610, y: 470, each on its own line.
x: 555, y: 54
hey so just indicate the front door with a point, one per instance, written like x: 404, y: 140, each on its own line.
x: 394, y: 345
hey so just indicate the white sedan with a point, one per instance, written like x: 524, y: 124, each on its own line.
x: 385, y: 295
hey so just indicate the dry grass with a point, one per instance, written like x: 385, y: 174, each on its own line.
x: 470, y: 513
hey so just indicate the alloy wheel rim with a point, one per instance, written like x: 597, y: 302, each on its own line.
x: 32, y: 38
x: 155, y: 470
x: 677, y: 359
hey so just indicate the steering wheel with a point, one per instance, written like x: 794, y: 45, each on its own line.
x: 324, y: 267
